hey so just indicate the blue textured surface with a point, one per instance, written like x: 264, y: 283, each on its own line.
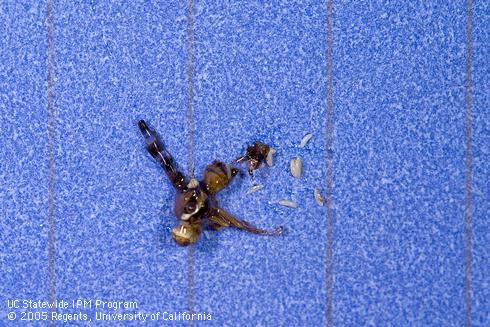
x: 399, y: 74
x: 23, y: 164
x: 115, y: 64
x: 399, y: 173
x: 481, y: 155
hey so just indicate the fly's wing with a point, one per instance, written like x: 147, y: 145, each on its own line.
x: 157, y: 150
x: 216, y: 220
x: 220, y: 218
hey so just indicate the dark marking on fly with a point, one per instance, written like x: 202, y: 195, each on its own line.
x: 255, y: 156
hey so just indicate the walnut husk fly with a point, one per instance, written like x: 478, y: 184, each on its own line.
x: 196, y: 205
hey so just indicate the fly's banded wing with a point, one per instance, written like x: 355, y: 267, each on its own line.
x: 220, y: 218
x: 157, y: 150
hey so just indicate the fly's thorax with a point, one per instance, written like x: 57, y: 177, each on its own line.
x: 191, y: 204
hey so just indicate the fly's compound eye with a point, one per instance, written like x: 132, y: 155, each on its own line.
x: 190, y: 207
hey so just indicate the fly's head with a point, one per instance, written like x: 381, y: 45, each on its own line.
x: 190, y: 207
